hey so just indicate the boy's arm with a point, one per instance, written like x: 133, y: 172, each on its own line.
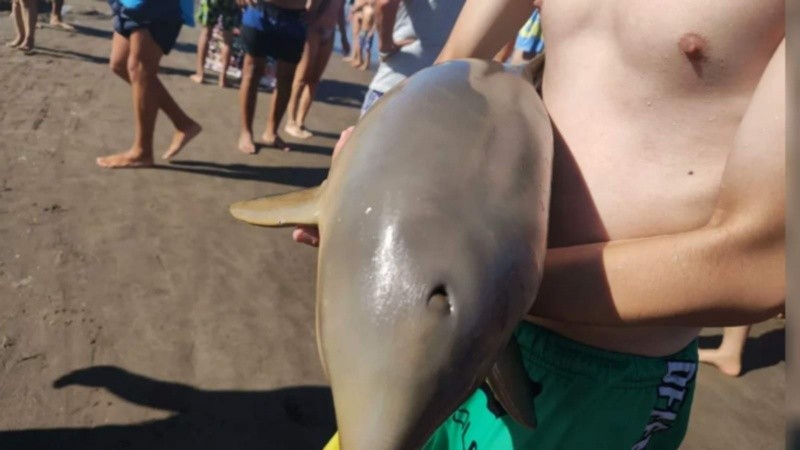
x: 729, y: 272
x: 385, y: 17
x: 484, y: 26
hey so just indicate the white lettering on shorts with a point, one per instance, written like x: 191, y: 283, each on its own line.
x: 671, y: 393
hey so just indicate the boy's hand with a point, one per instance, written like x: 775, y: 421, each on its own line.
x: 310, y: 235
x: 393, y: 47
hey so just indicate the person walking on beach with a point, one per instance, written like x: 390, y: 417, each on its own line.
x: 275, y: 29
x: 226, y: 13
x: 145, y: 31
x: 317, y: 52
x: 24, y: 14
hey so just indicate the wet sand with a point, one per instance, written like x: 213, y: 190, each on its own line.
x: 136, y: 313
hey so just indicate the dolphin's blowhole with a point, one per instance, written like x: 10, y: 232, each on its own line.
x: 439, y: 300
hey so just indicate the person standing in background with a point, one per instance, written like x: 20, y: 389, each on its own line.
x: 275, y: 29
x: 24, y: 14
x: 225, y: 12
x: 316, y: 53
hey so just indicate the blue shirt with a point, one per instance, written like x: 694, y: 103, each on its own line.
x: 187, y: 8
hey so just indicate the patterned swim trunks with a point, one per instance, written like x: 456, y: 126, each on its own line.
x: 227, y: 12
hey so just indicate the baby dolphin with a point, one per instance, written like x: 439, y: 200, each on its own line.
x: 433, y: 226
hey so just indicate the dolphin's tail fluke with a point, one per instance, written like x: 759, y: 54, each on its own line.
x: 282, y: 210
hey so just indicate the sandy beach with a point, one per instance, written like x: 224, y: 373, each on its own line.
x: 136, y: 313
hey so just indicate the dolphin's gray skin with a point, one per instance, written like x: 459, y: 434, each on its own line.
x: 433, y: 226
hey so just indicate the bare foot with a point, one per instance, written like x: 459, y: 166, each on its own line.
x: 729, y: 364
x: 126, y: 160
x: 61, y: 24
x: 26, y: 47
x: 246, y: 144
x: 364, y: 65
x: 15, y: 43
x: 274, y: 142
x: 297, y: 131
x: 181, y: 138
x: 197, y: 78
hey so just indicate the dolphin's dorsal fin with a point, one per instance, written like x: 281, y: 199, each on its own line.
x: 512, y: 387
x: 282, y: 210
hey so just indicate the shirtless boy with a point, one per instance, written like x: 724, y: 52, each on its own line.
x: 274, y: 28
x: 316, y: 53
x: 667, y: 210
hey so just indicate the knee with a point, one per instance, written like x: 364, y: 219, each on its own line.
x: 136, y: 71
x: 119, y: 67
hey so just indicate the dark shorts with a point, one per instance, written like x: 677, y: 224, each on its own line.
x: 278, y: 33
x: 162, y: 18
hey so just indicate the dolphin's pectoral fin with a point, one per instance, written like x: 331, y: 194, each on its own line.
x: 512, y: 387
x: 282, y: 210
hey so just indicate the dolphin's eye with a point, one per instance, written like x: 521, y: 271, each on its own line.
x: 439, y: 300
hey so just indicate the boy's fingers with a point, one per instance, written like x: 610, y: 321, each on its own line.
x: 306, y: 235
x: 342, y: 140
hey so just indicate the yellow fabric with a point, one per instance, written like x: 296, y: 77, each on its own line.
x: 334, y: 443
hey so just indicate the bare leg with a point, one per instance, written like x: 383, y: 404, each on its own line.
x: 301, y: 79
x: 227, y: 38
x: 368, y: 24
x: 342, y: 23
x: 143, y: 56
x: 355, y: 26
x: 321, y: 62
x: 184, y: 125
x: 19, y: 24
x: 143, y: 60
x: 202, y: 53
x: 365, y: 63
x: 728, y: 357
x: 30, y: 9
x: 55, y: 16
x: 252, y: 69
x: 280, y: 100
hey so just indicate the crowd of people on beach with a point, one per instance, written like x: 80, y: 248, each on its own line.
x: 289, y: 43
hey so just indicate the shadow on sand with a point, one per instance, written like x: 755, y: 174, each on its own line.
x: 293, y: 176
x: 69, y: 54
x: 296, y: 418
x: 759, y: 352
x: 341, y: 93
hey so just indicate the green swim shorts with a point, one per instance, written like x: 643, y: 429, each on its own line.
x: 588, y: 399
x: 225, y: 11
